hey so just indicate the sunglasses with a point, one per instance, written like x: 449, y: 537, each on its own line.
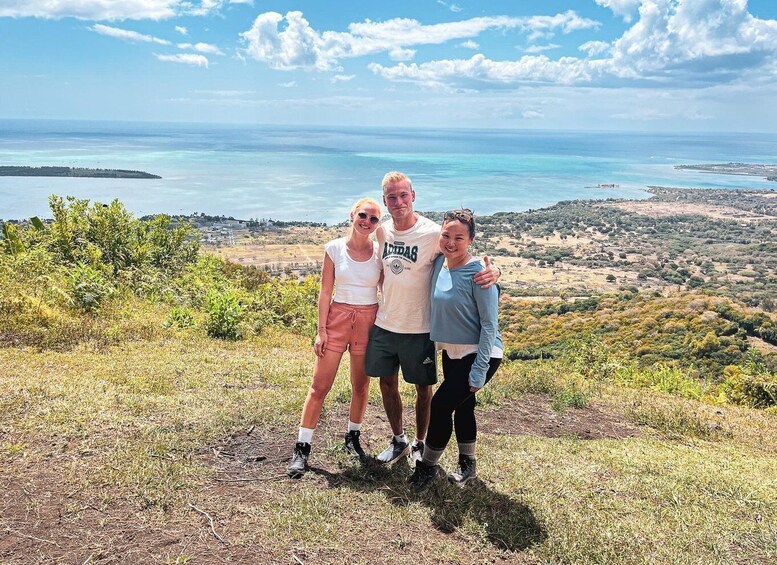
x: 373, y: 219
x: 464, y: 215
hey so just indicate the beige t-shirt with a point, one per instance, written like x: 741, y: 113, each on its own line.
x: 408, y: 260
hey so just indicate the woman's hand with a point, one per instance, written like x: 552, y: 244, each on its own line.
x: 488, y: 276
x: 474, y: 389
x: 320, y: 344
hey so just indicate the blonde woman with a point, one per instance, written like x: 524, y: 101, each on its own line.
x: 347, y: 304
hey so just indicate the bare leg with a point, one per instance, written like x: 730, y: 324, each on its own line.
x: 323, y: 377
x: 392, y: 402
x: 360, y: 389
x: 423, y: 409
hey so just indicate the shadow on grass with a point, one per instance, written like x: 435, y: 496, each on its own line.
x: 507, y: 523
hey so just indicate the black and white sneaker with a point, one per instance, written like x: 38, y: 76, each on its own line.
x: 424, y: 476
x: 396, y: 450
x: 465, y: 471
x: 353, y: 446
x: 416, y: 451
x: 299, y: 461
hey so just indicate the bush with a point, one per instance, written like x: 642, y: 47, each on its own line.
x: 758, y: 390
x: 224, y: 315
x: 87, y: 288
x: 180, y: 317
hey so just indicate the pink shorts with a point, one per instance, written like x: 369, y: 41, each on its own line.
x: 348, y: 327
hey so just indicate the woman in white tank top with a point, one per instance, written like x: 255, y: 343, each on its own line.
x: 347, y: 304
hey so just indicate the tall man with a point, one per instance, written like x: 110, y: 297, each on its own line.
x: 408, y: 245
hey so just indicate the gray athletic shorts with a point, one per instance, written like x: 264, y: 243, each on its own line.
x: 387, y: 352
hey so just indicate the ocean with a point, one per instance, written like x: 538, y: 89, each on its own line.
x: 316, y: 173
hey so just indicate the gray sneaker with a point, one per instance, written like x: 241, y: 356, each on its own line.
x: 299, y: 461
x: 396, y: 450
x: 465, y: 470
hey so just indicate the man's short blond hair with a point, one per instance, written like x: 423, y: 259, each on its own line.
x: 394, y: 177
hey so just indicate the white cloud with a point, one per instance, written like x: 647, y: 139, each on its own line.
x: 533, y: 49
x: 182, y: 30
x: 624, y: 8
x: 400, y: 54
x: 290, y: 84
x: 201, y: 48
x: 127, y: 35
x: 695, y: 40
x: 298, y: 45
x: 342, y: 78
x: 248, y: 2
x: 532, y: 114
x: 682, y: 43
x: 594, y: 47
x: 185, y: 58
x: 105, y: 9
x: 469, y: 44
x: 452, y: 7
x: 466, y: 72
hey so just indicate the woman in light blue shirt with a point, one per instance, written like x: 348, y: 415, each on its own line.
x: 464, y: 326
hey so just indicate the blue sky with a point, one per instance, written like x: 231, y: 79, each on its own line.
x: 663, y: 65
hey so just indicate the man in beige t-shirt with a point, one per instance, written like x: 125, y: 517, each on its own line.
x: 408, y: 245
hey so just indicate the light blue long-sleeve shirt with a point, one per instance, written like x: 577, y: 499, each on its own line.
x: 464, y: 313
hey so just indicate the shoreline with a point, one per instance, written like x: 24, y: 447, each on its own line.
x: 653, y: 190
x: 72, y: 172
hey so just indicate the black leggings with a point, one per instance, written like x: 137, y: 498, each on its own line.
x: 453, y: 405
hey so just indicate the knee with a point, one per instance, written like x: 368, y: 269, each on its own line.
x: 319, y: 391
x: 389, y: 386
x: 360, y: 387
x: 424, y: 392
x: 440, y: 405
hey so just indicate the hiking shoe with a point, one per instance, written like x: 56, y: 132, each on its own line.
x: 424, y: 476
x: 353, y: 447
x: 416, y: 451
x: 299, y: 461
x: 396, y: 450
x: 465, y: 471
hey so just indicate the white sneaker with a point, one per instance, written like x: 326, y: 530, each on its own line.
x: 396, y: 450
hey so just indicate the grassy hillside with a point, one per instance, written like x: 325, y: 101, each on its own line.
x: 150, y: 393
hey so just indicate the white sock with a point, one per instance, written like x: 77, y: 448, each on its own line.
x: 352, y: 427
x: 402, y: 438
x: 305, y: 435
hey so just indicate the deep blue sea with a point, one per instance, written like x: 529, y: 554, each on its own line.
x: 315, y: 174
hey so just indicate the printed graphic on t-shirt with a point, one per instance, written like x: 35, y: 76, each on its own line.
x: 399, y: 255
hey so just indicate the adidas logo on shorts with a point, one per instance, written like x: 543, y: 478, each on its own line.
x: 428, y: 360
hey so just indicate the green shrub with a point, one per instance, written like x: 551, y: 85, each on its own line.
x: 757, y: 390
x: 570, y: 395
x: 180, y: 317
x: 671, y: 380
x: 109, y: 235
x: 224, y: 315
x: 87, y: 287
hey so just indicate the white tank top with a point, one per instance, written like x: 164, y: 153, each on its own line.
x: 356, y: 282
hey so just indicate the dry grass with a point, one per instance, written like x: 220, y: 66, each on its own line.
x: 102, y: 453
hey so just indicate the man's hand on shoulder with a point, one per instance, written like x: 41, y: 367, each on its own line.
x: 488, y: 276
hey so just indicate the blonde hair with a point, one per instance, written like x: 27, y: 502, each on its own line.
x: 366, y: 201
x: 393, y: 177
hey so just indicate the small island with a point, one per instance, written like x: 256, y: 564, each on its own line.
x: 81, y: 172
x: 769, y: 172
